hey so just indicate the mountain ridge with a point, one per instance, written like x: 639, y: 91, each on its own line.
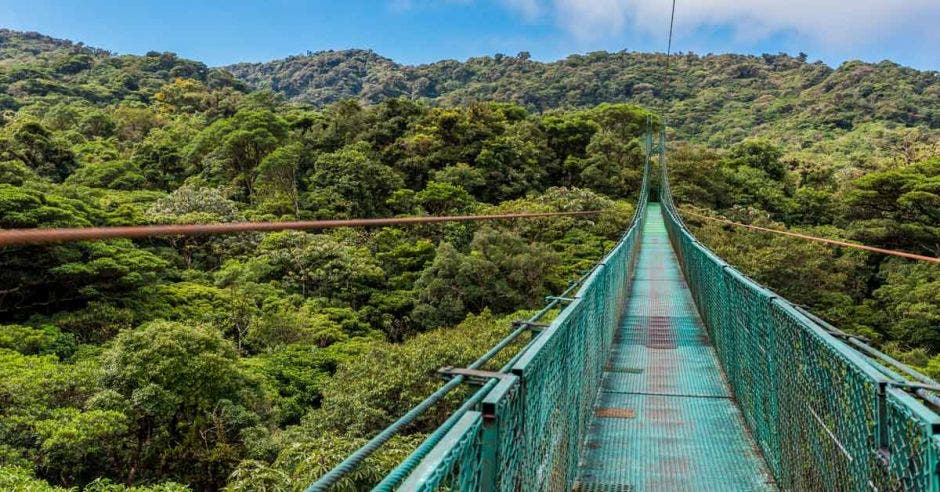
x: 714, y: 99
x: 758, y: 89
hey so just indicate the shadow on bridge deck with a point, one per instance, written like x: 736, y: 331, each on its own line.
x: 665, y: 418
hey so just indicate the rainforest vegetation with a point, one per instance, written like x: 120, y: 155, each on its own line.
x: 258, y: 361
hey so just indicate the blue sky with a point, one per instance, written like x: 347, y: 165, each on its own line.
x: 417, y: 31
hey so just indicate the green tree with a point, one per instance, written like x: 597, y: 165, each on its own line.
x: 350, y: 183
x: 758, y: 154
x: 625, y: 121
x: 614, y: 166
x: 463, y: 175
x: 232, y: 148
x: 898, y: 208
x: 189, y: 205
x: 48, y: 279
x: 696, y: 177
x: 278, y: 176
x: 116, y: 175
x: 299, y: 373
x: 36, y: 341
x: 36, y: 391
x: 401, y: 375
x: 319, y: 266
x: 97, y: 124
x: 501, y: 272
x: 511, y: 167
x: 183, y: 95
x: 160, y: 155
x: 568, y: 137
x: 34, y: 145
x: 910, y: 298
x: 443, y: 198
x: 77, y: 444
x: 133, y: 123
x: 187, y: 400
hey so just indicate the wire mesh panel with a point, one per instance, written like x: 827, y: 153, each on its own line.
x: 829, y: 402
x: 824, y: 417
x: 454, y: 464
x: 550, y: 403
x: 562, y: 373
x: 911, y: 452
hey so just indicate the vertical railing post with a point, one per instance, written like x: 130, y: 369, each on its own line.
x: 934, y: 463
x: 881, y: 423
x: 488, y: 468
x: 496, y: 407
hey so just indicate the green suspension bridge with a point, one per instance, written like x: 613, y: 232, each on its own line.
x: 668, y: 369
x: 663, y: 368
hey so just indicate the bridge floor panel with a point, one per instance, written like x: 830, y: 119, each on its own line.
x: 665, y: 418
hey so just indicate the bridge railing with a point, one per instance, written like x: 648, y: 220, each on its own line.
x: 526, y: 431
x: 824, y: 416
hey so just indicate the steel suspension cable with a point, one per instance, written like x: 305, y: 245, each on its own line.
x: 672, y: 20
x: 807, y: 237
x: 19, y: 237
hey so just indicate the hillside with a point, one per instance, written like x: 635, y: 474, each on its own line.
x: 34, y: 66
x: 715, y: 98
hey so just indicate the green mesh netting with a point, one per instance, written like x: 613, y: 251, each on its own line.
x: 823, y: 416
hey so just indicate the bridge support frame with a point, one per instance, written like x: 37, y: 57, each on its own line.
x: 493, y: 429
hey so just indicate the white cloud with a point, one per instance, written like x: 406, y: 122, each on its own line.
x: 530, y: 9
x: 837, y: 22
x: 593, y: 18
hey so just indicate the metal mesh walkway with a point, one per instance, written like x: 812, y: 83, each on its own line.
x: 664, y: 418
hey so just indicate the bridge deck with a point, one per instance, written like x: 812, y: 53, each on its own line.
x: 665, y: 419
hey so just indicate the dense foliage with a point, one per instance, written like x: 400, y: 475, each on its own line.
x: 258, y: 361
